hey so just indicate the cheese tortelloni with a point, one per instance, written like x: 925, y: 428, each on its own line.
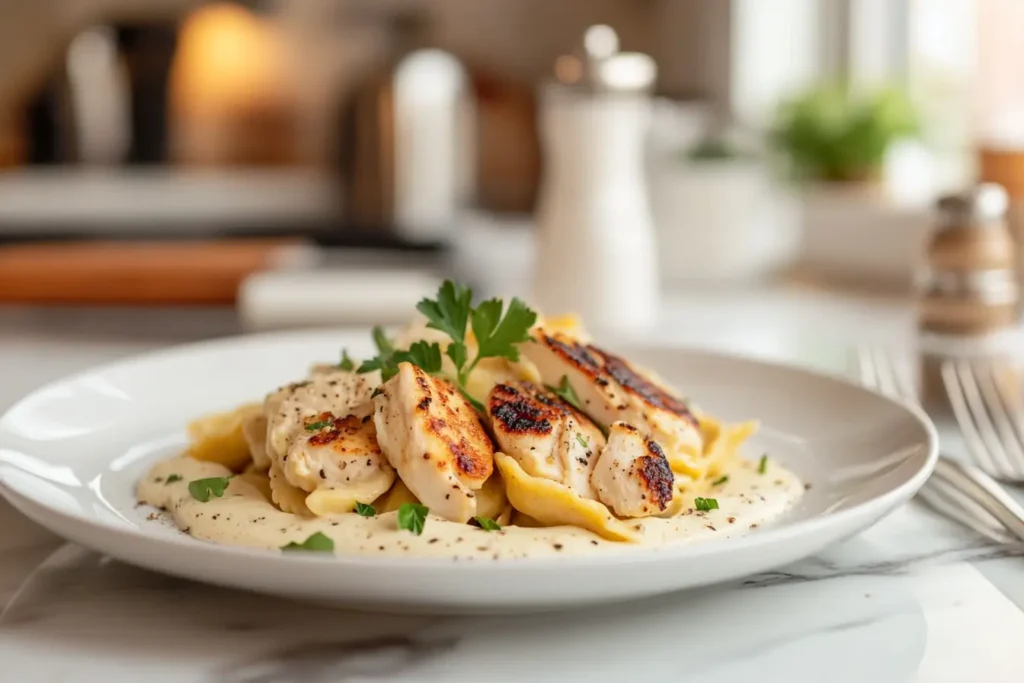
x: 553, y: 504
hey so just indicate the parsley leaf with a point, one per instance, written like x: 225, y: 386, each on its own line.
x: 423, y: 355
x: 412, y: 517
x: 762, y: 466
x: 721, y: 480
x: 318, y: 542
x: 582, y: 441
x: 364, y: 510
x: 385, y: 360
x: 381, y: 341
x: 346, y: 362
x: 565, y: 392
x: 457, y: 352
x: 705, y: 504
x: 497, y: 338
x: 171, y: 478
x: 203, y: 489
x: 487, y: 524
x: 317, y: 426
x: 450, y: 312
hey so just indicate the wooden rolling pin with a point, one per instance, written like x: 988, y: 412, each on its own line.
x: 206, y: 272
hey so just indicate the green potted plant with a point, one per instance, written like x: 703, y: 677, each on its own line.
x: 835, y: 143
x: 831, y: 134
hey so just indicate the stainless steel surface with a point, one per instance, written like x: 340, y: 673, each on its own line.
x: 961, y: 492
x: 990, y: 418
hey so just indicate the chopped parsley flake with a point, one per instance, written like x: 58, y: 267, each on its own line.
x: 762, y: 466
x: 412, y: 517
x: 487, y: 524
x: 317, y: 426
x: 212, y: 487
x: 721, y: 480
x: 582, y: 441
x: 705, y: 504
x: 318, y: 542
x: 171, y: 478
x: 565, y: 392
x: 364, y: 510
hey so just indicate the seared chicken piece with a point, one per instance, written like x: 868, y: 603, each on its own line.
x: 433, y: 437
x: 288, y: 409
x: 610, y: 390
x: 548, y: 437
x: 339, y: 454
x: 632, y: 476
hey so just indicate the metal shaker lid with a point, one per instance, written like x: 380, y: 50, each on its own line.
x: 602, y: 68
x: 978, y: 206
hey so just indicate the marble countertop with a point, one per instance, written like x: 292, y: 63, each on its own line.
x: 915, y: 598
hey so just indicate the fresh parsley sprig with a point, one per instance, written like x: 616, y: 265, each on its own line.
x: 421, y: 354
x: 497, y: 328
x: 346, y: 363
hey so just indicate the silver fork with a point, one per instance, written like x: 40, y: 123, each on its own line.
x: 992, y: 426
x: 961, y: 492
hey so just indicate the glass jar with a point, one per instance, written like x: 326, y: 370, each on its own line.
x: 970, y: 285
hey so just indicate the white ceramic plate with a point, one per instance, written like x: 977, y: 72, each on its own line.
x: 71, y: 452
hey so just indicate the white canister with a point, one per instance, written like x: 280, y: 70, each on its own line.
x: 595, y: 250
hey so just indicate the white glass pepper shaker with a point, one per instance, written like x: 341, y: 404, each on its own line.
x: 595, y: 249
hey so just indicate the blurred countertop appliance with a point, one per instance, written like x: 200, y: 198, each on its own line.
x: 405, y: 150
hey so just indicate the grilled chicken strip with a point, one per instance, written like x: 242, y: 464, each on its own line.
x: 340, y: 454
x: 338, y: 393
x: 548, y: 437
x: 632, y: 476
x: 433, y: 437
x: 611, y: 390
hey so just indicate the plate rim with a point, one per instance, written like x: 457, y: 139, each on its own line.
x: 874, y: 507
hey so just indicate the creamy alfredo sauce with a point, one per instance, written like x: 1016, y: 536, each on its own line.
x: 243, y: 516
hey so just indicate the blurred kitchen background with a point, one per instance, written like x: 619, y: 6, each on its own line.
x: 310, y: 162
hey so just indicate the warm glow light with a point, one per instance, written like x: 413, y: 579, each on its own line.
x: 227, y: 59
x: 568, y: 69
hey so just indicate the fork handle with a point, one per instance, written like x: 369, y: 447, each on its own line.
x: 985, y: 491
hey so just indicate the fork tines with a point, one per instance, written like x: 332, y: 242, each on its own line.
x: 989, y: 416
x: 879, y: 371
